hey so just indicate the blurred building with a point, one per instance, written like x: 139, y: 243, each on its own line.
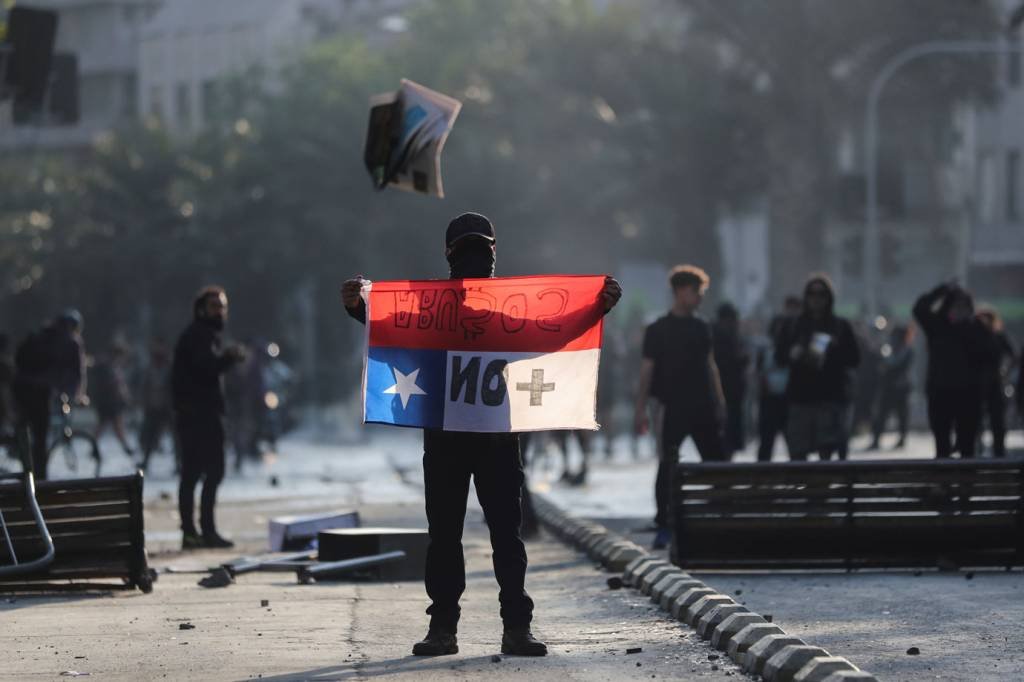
x: 104, y: 36
x: 191, y: 46
x: 994, y: 142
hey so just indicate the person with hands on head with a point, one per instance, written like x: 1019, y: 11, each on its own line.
x: 959, y: 348
x: 678, y: 370
x: 493, y: 461
x: 200, y: 361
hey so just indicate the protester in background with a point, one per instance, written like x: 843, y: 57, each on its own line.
x: 959, y: 346
x: 110, y: 394
x: 493, y: 461
x: 994, y: 372
x: 820, y: 350
x: 772, y: 381
x: 6, y: 381
x: 198, y: 396
x: 157, y: 411
x: 732, y: 359
x: 894, y: 392
x: 48, y: 363
x: 678, y: 370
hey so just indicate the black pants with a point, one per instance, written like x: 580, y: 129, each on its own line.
x: 994, y: 407
x: 952, y: 410
x: 202, y: 458
x: 494, y: 463
x: 892, y: 401
x: 678, y: 422
x: 771, y: 421
x: 33, y: 405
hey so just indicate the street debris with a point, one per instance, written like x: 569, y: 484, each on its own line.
x: 615, y: 583
x: 74, y: 673
x: 264, y: 602
x: 495, y: 658
x: 186, y: 626
x: 913, y: 651
x: 218, y: 578
x: 635, y: 650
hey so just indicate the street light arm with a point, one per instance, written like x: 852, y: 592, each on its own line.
x: 870, y: 246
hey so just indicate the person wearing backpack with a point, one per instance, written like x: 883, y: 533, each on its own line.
x: 48, y: 362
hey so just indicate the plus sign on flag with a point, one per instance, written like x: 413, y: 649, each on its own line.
x: 493, y: 355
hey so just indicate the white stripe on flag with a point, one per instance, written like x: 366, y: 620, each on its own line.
x: 520, y: 391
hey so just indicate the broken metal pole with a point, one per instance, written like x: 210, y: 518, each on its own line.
x: 330, y: 569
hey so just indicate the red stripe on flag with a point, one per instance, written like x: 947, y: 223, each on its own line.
x: 517, y: 314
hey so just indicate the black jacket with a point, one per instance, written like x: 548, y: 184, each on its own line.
x: 957, y: 351
x: 196, y: 372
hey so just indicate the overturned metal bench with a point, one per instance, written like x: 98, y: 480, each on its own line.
x: 848, y: 515
x: 96, y: 527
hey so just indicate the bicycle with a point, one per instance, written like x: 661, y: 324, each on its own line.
x: 71, y: 442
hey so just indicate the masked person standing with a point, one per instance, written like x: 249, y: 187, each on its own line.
x: 820, y: 349
x: 493, y: 461
x: 198, y: 391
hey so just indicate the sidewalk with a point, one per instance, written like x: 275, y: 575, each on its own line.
x: 339, y: 631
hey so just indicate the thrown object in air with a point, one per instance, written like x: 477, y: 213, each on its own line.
x: 406, y: 134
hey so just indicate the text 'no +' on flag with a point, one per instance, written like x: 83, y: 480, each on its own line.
x: 490, y: 355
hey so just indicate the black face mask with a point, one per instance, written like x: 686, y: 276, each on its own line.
x: 471, y: 259
x: 216, y: 323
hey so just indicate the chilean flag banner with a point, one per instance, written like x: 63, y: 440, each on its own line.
x: 489, y: 355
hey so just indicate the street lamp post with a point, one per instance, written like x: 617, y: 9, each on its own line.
x: 870, y: 247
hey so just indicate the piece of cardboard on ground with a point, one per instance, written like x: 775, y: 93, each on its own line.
x: 296, y: 532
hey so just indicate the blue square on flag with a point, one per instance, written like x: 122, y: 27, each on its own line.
x: 405, y: 387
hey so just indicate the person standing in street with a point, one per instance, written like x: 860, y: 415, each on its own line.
x: 48, y: 363
x: 820, y: 350
x: 200, y: 361
x: 111, y: 396
x: 959, y: 346
x: 772, y: 382
x: 894, y: 390
x: 157, y: 412
x: 492, y: 461
x: 678, y: 370
x: 732, y: 359
x: 995, y: 370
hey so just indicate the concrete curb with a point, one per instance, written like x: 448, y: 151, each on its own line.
x: 759, y: 647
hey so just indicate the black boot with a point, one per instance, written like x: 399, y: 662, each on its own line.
x: 521, y: 642
x: 215, y: 541
x: 438, y: 642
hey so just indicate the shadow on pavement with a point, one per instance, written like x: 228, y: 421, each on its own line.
x: 394, y: 666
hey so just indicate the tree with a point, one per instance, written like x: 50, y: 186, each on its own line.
x: 810, y: 62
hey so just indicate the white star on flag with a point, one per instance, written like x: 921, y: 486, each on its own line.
x: 405, y: 386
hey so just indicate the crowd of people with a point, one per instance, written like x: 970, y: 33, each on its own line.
x: 818, y: 377
x: 178, y: 393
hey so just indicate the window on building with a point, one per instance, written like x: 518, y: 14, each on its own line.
x: 1013, y: 63
x: 987, y: 188
x: 211, y: 100
x: 1013, y: 185
x: 156, y: 103
x: 183, y: 106
x: 129, y: 95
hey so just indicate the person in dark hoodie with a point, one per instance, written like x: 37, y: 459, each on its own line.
x: 493, y: 461
x: 959, y: 346
x: 820, y: 349
x: 995, y: 371
x: 732, y: 359
x: 198, y: 395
